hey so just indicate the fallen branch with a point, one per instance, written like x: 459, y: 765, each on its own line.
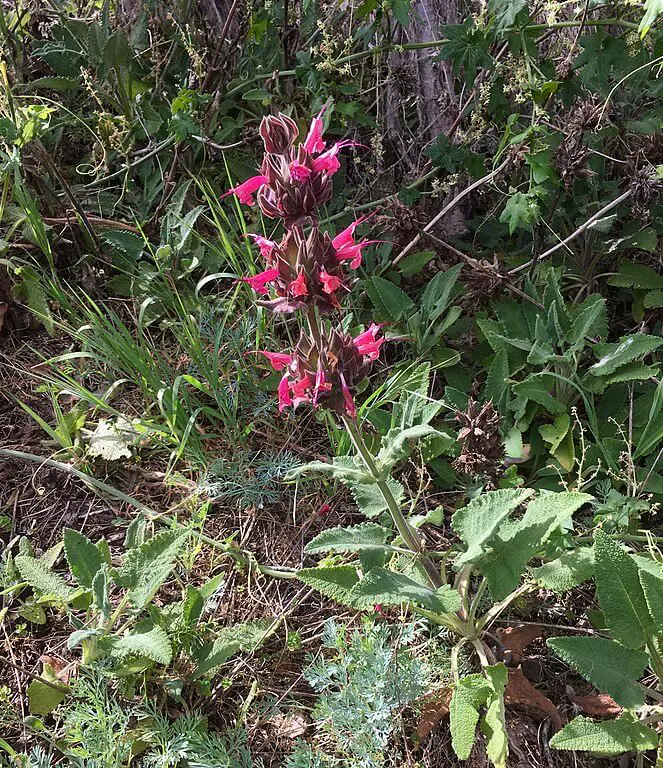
x: 586, y: 225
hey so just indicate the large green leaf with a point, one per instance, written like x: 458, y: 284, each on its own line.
x: 478, y: 522
x: 620, y: 593
x: 470, y: 693
x: 388, y: 299
x: 385, y: 587
x: 609, y: 738
x: 84, y: 558
x: 517, y: 541
x: 493, y: 723
x: 627, y: 349
x: 652, y: 586
x: 609, y: 666
x: 354, y: 539
x: 147, y: 567
x: 42, y: 579
x: 334, y: 581
x: 567, y: 571
x: 153, y: 644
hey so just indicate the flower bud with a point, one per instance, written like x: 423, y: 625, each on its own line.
x: 278, y: 133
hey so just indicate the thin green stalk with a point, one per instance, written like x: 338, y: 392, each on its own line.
x: 409, y: 535
x: 656, y: 660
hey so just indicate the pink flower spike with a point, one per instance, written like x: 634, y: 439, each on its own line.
x: 313, y: 143
x: 299, y: 171
x: 259, y: 281
x: 298, y: 286
x: 350, y: 408
x: 346, y: 237
x: 321, y: 385
x: 284, y: 393
x: 245, y: 191
x: 266, y: 246
x: 368, y: 343
x: 330, y: 283
x: 301, y: 391
x: 278, y: 360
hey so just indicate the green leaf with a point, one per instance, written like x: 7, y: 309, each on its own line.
x: 478, y: 522
x: 567, y: 571
x: 415, y: 262
x: 128, y: 243
x: 520, y: 212
x: 116, y: 53
x: 395, y: 445
x: 42, y: 579
x: 390, y: 302
x: 257, y: 94
x: 390, y: 588
x: 401, y: 11
x: 147, y: 567
x: 468, y: 48
x: 619, y: 593
x: 43, y: 698
x: 354, y: 539
x: 497, y: 382
x: 609, y: 738
x: 370, y: 500
x: 435, y: 298
x: 589, y: 319
x: 627, y: 349
x: 517, y: 541
x: 334, y: 581
x: 100, y: 598
x: 652, y: 586
x: 470, y: 693
x: 82, y: 555
x: 653, y: 9
x: 211, y: 656
x: 154, y: 645
x: 637, y: 276
x: 607, y: 665
x: 493, y: 723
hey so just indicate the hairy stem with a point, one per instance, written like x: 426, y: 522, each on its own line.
x: 407, y: 532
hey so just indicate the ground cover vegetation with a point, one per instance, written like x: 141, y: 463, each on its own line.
x: 331, y: 419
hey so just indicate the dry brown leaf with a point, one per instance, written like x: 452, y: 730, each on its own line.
x: 597, y: 705
x: 61, y: 669
x: 516, y: 639
x: 289, y: 726
x: 435, y: 707
x: 522, y: 694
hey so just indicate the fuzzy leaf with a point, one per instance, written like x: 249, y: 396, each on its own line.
x: 354, y: 539
x: 390, y: 588
x: 334, y: 581
x: 370, y: 500
x: 43, y: 698
x: 478, y: 522
x: 42, y: 579
x: 395, y: 446
x: 567, y: 571
x: 627, y: 349
x: 83, y: 556
x: 100, y: 598
x: 652, y: 586
x: 619, y: 592
x: 497, y: 382
x: 147, y: 567
x: 517, y: 541
x: 390, y: 302
x: 154, y: 645
x: 470, y: 693
x: 493, y: 723
x: 610, y: 737
x: 607, y: 665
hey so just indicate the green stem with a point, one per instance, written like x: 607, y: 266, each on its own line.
x: 408, y: 534
x: 656, y: 660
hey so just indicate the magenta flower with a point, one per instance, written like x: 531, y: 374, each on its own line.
x: 324, y: 375
x: 313, y: 143
x: 245, y: 191
x: 259, y: 281
x: 347, y: 249
x: 266, y: 246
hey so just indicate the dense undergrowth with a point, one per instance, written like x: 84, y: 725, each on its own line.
x: 362, y: 464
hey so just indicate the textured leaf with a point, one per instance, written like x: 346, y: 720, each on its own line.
x: 388, y: 299
x: 385, y: 587
x: 609, y: 737
x: 354, y: 539
x: 652, y: 586
x: 636, y: 276
x: 627, y: 349
x: 607, y: 665
x: 395, y: 446
x: 147, y: 567
x: 333, y: 581
x: 497, y: 382
x: 211, y: 656
x: 517, y: 541
x: 42, y: 698
x: 471, y: 692
x: 567, y: 571
x: 41, y: 578
x: 589, y: 319
x: 493, y: 723
x: 653, y: 9
x: 83, y: 556
x: 619, y: 593
x: 370, y: 500
x: 478, y: 522
x: 100, y: 598
x: 154, y: 645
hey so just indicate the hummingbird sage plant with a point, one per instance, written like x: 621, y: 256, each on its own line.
x: 308, y: 273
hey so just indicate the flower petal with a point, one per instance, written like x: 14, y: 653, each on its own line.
x: 245, y: 191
